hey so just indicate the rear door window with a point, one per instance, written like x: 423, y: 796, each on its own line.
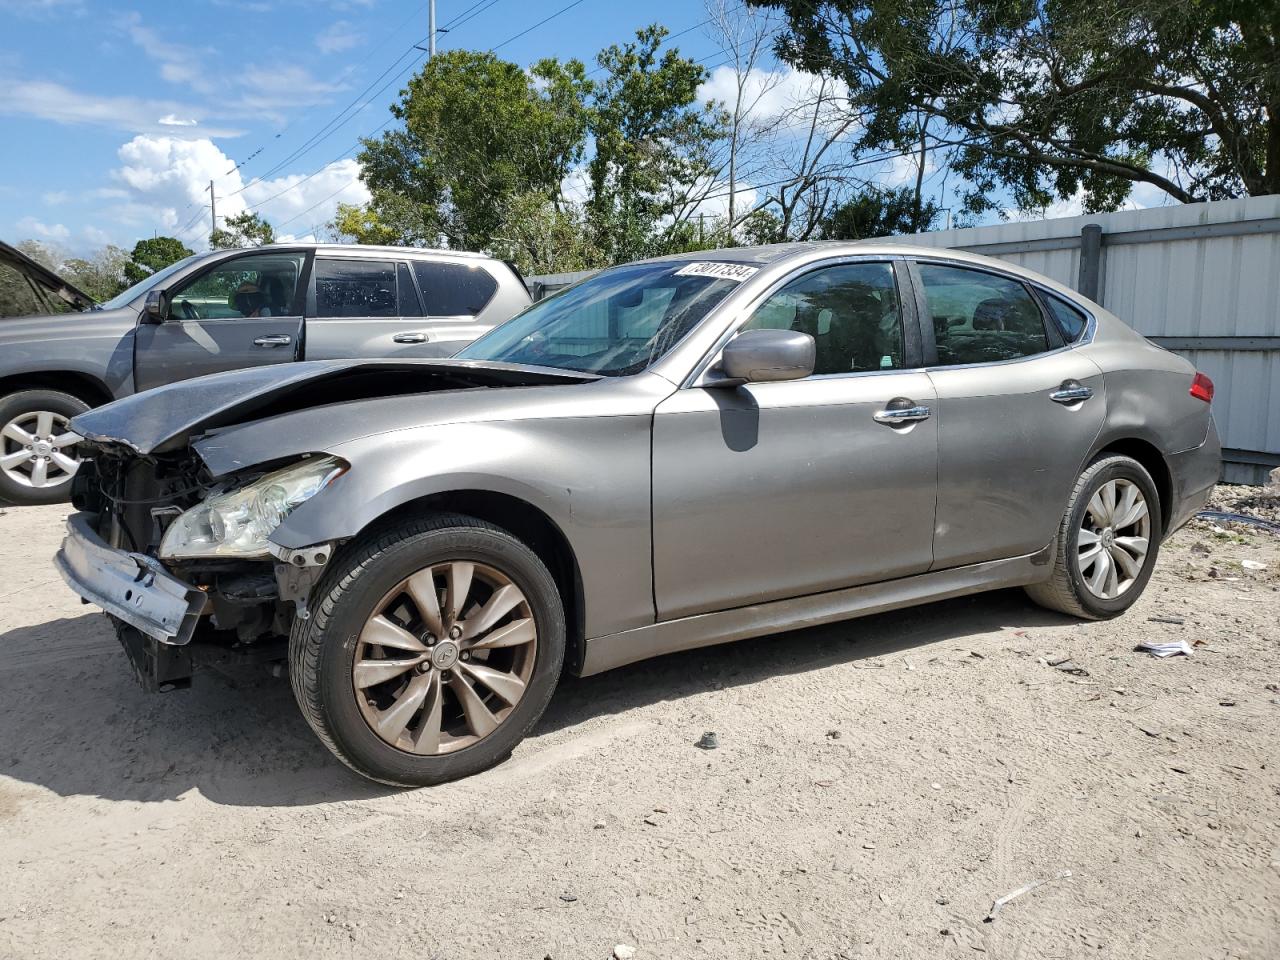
x: 409, y: 304
x: 356, y: 288
x: 454, y: 289
x: 981, y: 317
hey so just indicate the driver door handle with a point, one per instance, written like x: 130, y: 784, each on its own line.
x: 897, y: 416
x: 413, y: 337
x: 273, y: 340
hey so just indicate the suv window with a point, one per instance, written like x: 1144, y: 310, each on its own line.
x: 1071, y: 320
x: 851, y: 311
x: 257, y: 285
x: 981, y: 317
x: 454, y: 289
x: 356, y: 288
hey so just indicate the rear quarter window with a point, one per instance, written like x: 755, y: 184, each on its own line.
x: 454, y: 289
x: 1070, y: 320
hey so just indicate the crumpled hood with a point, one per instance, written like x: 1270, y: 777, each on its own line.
x: 163, y: 419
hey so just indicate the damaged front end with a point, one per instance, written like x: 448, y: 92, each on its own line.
x: 182, y: 561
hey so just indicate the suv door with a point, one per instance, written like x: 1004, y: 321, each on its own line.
x: 363, y: 307
x: 1018, y: 411
x: 773, y: 490
x: 245, y: 311
x: 455, y: 294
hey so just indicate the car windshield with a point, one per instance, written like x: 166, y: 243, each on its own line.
x: 145, y: 284
x: 616, y: 323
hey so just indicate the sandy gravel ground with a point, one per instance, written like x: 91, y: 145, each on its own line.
x: 877, y: 786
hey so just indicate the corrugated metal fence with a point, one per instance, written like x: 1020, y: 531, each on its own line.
x: 1201, y: 279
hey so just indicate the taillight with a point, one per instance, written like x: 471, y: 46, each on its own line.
x: 1202, y: 388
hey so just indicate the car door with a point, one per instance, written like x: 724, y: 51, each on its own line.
x: 245, y: 311
x: 454, y: 294
x: 366, y: 307
x: 773, y: 490
x: 1018, y: 411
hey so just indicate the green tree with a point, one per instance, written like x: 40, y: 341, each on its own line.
x: 478, y: 132
x: 1048, y: 99
x: 242, y: 230
x: 151, y: 255
x: 653, y: 147
x: 101, y: 275
x: 878, y: 212
x: 541, y: 235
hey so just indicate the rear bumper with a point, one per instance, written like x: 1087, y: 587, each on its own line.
x: 131, y: 586
x: 1193, y: 474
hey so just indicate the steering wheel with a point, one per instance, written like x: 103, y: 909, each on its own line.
x: 189, y: 312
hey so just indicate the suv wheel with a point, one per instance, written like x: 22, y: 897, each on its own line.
x: 1107, y: 542
x: 433, y: 647
x: 37, y: 457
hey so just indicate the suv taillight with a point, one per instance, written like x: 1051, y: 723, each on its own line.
x: 1202, y: 388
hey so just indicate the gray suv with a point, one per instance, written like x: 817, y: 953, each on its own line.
x: 223, y: 311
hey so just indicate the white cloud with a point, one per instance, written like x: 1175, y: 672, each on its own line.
x: 338, y: 36
x: 42, y: 8
x: 783, y: 98
x: 169, y: 120
x: 95, y: 236
x: 33, y: 227
x: 166, y: 182
x: 55, y: 197
x: 902, y: 169
x: 53, y: 101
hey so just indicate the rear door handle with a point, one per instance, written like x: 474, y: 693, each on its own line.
x: 409, y: 338
x: 1071, y: 392
x: 898, y: 416
x: 274, y: 340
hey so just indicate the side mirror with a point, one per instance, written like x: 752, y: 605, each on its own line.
x: 763, y: 356
x: 156, y: 308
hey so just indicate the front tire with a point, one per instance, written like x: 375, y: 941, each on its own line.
x: 1107, y: 543
x: 433, y: 647
x: 37, y: 455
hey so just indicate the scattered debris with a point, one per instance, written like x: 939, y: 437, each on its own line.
x: 1152, y: 732
x: 568, y: 898
x: 1025, y: 888
x: 1246, y: 518
x: 708, y: 741
x: 1067, y: 665
x: 1179, y: 621
x: 1168, y: 649
x: 834, y: 734
x: 1183, y: 770
x: 975, y: 653
x: 598, y: 825
x: 622, y: 951
x: 1226, y: 703
x: 868, y: 846
x: 1253, y: 564
x: 1200, y: 549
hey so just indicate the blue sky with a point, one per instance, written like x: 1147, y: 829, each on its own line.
x: 114, y: 114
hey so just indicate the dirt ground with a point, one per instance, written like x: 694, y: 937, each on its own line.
x: 878, y: 784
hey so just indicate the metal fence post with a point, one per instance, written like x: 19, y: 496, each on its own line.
x: 1091, y: 262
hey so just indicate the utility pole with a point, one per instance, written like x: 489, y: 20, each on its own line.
x: 431, y: 30
x: 213, y: 209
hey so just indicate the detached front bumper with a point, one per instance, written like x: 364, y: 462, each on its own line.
x: 131, y: 586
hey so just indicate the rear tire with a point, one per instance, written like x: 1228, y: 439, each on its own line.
x: 388, y: 601
x: 1081, y: 584
x: 35, y: 468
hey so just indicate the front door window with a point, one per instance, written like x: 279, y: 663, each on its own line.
x: 257, y: 285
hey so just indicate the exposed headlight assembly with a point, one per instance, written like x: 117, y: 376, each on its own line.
x: 237, y: 523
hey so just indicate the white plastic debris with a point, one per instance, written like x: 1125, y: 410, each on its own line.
x: 1253, y: 565
x: 1171, y: 649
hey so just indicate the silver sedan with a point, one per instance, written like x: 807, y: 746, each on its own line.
x: 674, y: 453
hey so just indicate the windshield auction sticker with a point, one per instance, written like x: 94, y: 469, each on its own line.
x: 736, y: 272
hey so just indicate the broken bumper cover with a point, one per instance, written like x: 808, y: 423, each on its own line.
x: 132, y: 586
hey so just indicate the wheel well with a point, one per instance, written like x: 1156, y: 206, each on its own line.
x: 1153, y: 460
x: 80, y: 385
x: 535, y: 530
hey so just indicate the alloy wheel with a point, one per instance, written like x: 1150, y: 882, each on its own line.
x: 445, y: 657
x: 33, y: 450
x: 1114, y: 538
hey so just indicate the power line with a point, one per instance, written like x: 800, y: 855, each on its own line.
x: 564, y: 9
